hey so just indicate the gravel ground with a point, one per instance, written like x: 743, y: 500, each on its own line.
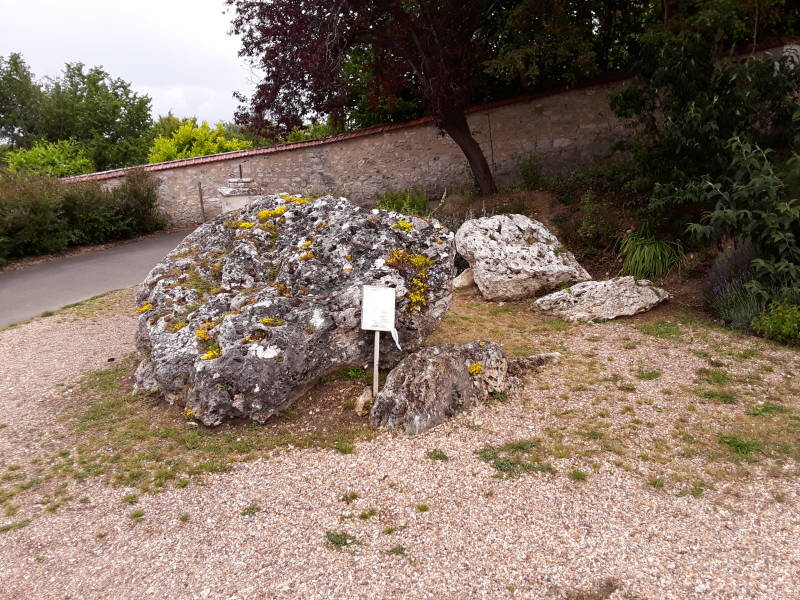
x: 536, y: 536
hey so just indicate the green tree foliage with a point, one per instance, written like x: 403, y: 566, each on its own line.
x: 543, y: 43
x: 189, y: 140
x: 103, y: 113
x: 59, y: 159
x: 20, y: 102
x: 168, y: 124
x: 314, y: 131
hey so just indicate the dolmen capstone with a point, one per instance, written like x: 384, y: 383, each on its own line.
x: 253, y: 307
x: 602, y: 300
x: 514, y: 257
x: 435, y: 383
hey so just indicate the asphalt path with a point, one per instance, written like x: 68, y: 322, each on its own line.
x: 31, y: 291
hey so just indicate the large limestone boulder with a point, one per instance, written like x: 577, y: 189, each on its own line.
x: 602, y: 300
x: 435, y: 383
x: 514, y: 257
x: 254, y: 307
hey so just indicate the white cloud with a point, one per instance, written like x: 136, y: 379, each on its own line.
x: 177, y: 51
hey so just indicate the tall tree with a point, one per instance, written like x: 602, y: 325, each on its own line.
x: 103, y: 113
x: 304, y: 48
x: 20, y: 102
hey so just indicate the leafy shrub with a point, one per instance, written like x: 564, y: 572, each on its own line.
x: 190, y: 140
x: 137, y: 198
x: 725, y: 288
x: 530, y: 173
x: 645, y: 256
x: 58, y: 159
x: 30, y: 216
x: 781, y: 322
x: 751, y: 205
x: 407, y: 202
x: 686, y: 102
x: 597, y: 224
x: 40, y: 215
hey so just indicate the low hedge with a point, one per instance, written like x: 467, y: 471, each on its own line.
x: 42, y: 215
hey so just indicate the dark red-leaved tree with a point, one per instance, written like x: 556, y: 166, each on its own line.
x: 304, y: 48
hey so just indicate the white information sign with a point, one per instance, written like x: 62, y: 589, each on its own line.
x: 377, y: 314
x: 377, y: 308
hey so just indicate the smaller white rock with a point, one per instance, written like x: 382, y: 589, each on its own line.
x: 608, y: 299
x: 465, y: 280
x: 363, y: 400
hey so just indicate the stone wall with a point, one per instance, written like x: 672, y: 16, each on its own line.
x: 567, y: 126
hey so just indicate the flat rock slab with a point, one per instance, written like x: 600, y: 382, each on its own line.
x: 256, y: 305
x: 602, y: 300
x: 514, y: 257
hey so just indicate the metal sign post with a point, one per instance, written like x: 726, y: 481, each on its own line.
x: 377, y: 313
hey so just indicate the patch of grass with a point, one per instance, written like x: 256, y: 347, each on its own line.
x: 469, y: 318
x: 515, y: 458
x: 724, y: 396
x: 15, y: 526
x: 656, y: 482
x: 366, y: 514
x: 718, y: 377
x: 578, y: 475
x: 668, y: 330
x: 138, y: 444
x: 136, y: 515
x: 352, y: 373
x: 397, y: 550
x: 422, y: 508
x: 130, y: 498
x: 348, y: 497
x: 741, y: 446
x: 647, y: 374
x: 767, y: 409
x: 499, y: 396
x: 437, y: 454
x: 340, y: 539
x: 344, y: 446
x: 392, y: 529
x: 251, y: 510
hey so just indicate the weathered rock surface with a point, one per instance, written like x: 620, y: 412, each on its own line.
x: 608, y: 299
x: 435, y: 383
x: 254, y: 307
x: 514, y: 257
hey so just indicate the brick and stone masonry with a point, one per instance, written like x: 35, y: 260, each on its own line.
x: 560, y: 127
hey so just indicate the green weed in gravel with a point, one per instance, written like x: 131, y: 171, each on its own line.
x: 437, y: 454
x: 515, y: 458
x: 340, y: 539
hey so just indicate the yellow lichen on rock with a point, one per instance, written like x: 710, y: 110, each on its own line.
x: 267, y: 214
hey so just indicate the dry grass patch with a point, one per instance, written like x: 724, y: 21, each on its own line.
x: 512, y: 324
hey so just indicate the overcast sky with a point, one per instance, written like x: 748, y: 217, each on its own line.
x: 176, y: 51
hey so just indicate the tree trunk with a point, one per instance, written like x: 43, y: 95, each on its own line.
x: 457, y: 128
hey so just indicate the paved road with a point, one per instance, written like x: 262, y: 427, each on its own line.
x: 29, y: 292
